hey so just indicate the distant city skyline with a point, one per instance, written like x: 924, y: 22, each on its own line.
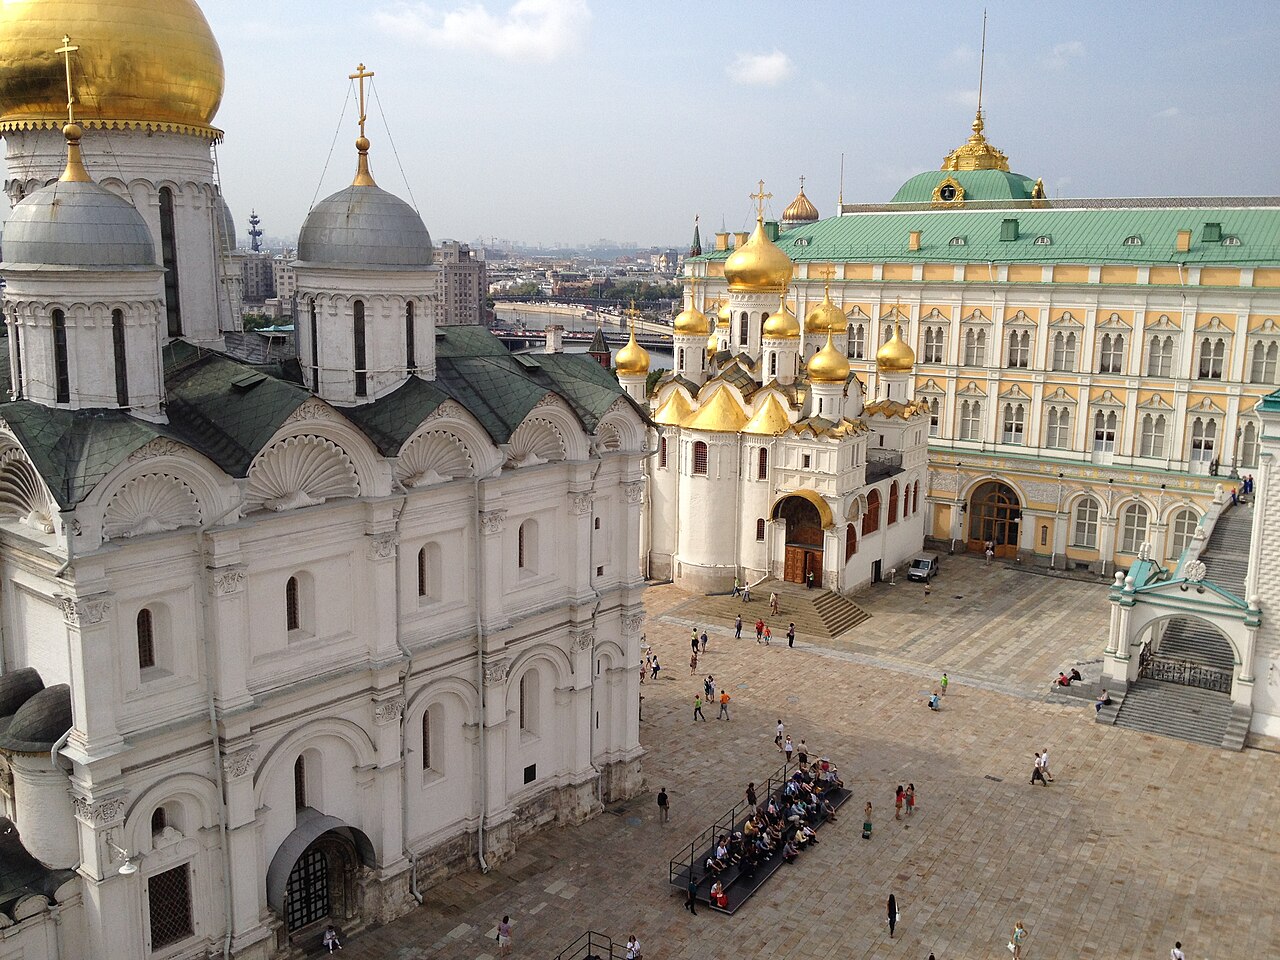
x: 560, y: 121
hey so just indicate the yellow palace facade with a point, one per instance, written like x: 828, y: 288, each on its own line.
x: 1090, y: 366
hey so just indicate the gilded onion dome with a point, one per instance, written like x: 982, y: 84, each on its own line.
x: 801, y: 209
x: 896, y: 356
x: 692, y: 322
x: 782, y: 325
x: 828, y: 365
x: 758, y: 266
x: 146, y: 63
x: 632, y: 360
x: 826, y: 317
x: 713, y: 346
x: 724, y: 316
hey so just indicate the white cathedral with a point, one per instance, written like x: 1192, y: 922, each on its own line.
x: 281, y: 643
x: 770, y: 462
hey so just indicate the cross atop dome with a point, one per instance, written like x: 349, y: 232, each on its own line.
x: 760, y: 197
x: 363, y: 177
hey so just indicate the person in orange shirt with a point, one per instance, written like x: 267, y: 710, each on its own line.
x: 724, y: 705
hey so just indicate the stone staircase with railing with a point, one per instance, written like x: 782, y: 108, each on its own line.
x: 1174, y: 710
x: 816, y: 613
x: 1196, y: 642
x: 1226, y: 555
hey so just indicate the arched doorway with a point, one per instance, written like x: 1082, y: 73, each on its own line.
x: 1188, y: 651
x: 804, y: 521
x: 994, y: 513
x: 312, y: 879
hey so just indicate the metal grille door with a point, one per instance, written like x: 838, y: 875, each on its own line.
x: 307, y: 898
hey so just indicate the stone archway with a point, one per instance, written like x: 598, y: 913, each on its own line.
x: 1188, y: 651
x: 804, y: 539
x: 995, y: 513
x: 312, y: 879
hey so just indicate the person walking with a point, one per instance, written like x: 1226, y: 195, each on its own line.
x: 1037, y: 773
x: 703, y: 638
x: 709, y: 689
x: 697, y: 710
x: 788, y: 748
x: 751, y: 794
x: 759, y: 631
x: 691, y: 896
x: 737, y: 627
x: 664, y: 805
x: 693, y: 663
x: 808, y: 579
x: 1176, y: 953
x: 693, y: 640
x: 773, y: 603
x: 1044, y: 765
x: 791, y: 635
x: 897, y: 803
x: 911, y: 799
x: 989, y: 551
x: 866, y: 821
x: 893, y: 914
x: 768, y: 635
x: 504, y: 936
x: 942, y: 685
x: 633, y: 948
x: 656, y: 667
x: 724, y: 706
x: 746, y: 593
x: 737, y: 588
x: 1019, y: 937
x: 802, y: 753
x: 778, y: 738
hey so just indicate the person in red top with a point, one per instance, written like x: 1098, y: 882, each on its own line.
x: 897, y: 803
x: 759, y: 631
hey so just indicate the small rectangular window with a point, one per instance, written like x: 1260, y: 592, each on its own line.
x: 531, y: 773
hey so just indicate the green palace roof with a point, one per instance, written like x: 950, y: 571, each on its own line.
x: 977, y: 185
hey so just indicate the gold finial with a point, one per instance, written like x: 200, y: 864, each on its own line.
x: 760, y: 197
x: 363, y: 177
x: 75, y: 171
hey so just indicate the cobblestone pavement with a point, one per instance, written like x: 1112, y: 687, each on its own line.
x: 1139, y: 841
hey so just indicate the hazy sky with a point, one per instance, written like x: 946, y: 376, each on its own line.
x: 571, y: 120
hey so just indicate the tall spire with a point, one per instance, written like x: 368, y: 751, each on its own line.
x: 363, y: 177
x: 977, y: 153
x: 982, y: 65
x: 695, y: 249
x: 75, y: 171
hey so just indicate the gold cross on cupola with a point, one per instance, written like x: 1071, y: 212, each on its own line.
x: 67, y: 50
x: 363, y: 177
x: 74, y: 171
x: 361, y: 75
x: 760, y: 197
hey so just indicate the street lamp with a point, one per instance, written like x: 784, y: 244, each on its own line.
x: 129, y: 866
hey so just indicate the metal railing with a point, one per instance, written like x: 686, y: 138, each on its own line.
x: 726, y: 823
x: 1186, y: 673
x: 593, y: 946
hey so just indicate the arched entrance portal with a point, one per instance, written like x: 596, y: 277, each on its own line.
x: 994, y: 512
x: 312, y: 877
x: 1188, y: 651
x: 804, y: 523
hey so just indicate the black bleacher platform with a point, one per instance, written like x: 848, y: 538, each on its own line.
x: 738, y: 885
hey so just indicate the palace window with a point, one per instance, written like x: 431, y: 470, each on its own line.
x: 1015, y: 420
x: 1111, y: 353
x: 762, y: 464
x: 300, y: 782
x: 122, y: 365
x: 169, y: 907
x: 1085, y: 530
x: 359, y: 360
x: 662, y: 452
x: 1213, y: 351
x: 760, y: 529
x: 743, y: 329
x: 426, y: 739
x: 1249, y: 446
x: 893, y: 503
x: 850, y: 542
x: 858, y: 341
x: 680, y: 359
x: 1160, y: 357
x: 146, y: 640
x: 1058, y: 435
x: 410, y: 349
x: 773, y: 363
x: 1152, y: 439
x: 1019, y: 348
x: 1181, y: 530
x: 169, y: 258
x: 1133, y: 241
x: 527, y: 547
x: 871, y: 519
x: 971, y: 420
x: 292, y: 605
x: 975, y: 348
x: 1133, y: 528
x: 430, y: 570
x: 933, y: 417
x: 699, y: 459
x: 1104, y: 431
x: 1064, y: 351
x: 315, y: 347
x: 529, y: 702
x: 61, y: 370
x: 1204, y: 439
x: 1262, y: 368
x: 934, y: 344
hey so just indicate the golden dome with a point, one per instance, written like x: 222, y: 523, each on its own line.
x: 770, y: 419
x: 632, y: 360
x: 152, y: 64
x: 782, y: 325
x: 758, y: 266
x: 692, y: 322
x: 721, y: 413
x: 976, y: 153
x: 896, y: 356
x: 675, y: 411
x: 828, y: 365
x: 826, y: 317
x: 801, y: 209
x: 725, y: 316
x: 713, y: 346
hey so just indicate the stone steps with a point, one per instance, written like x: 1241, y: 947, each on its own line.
x: 816, y: 613
x: 1172, y: 710
x: 1196, y: 642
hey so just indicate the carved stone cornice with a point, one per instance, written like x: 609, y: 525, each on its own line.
x: 388, y: 711
x: 236, y: 765
x: 580, y: 640
x: 312, y: 409
x: 493, y: 521
x: 102, y: 812
x: 631, y: 622
x: 580, y: 503
x: 382, y: 546
x: 85, y: 611
x: 159, y: 447
x: 496, y: 671
x: 633, y: 490
x: 228, y: 581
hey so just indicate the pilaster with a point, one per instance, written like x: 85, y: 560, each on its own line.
x: 94, y: 734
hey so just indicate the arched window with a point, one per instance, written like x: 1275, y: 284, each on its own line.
x: 1152, y: 440
x: 410, y: 348
x: 1111, y: 353
x: 699, y: 458
x: 850, y: 542
x: 1085, y: 532
x: 315, y: 347
x: 1160, y: 357
x: 292, y: 604
x: 1213, y: 351
x: 906, y: 500
x: 1104, y: 431
x: 527, y: 547
x: 169, y: 257
x: 1181, y: 530
x: 1015, y: 422
x: 933, y: 417
x: 426, y: 739
x: 300, y: 782
x: 971, y: 420
x: 1019, y: 348
x: 1204, y: 439
x: 430, y: 572
x: 893, y: 503
x: 529, y: 702
x: 680, y: 359
x: 1262, y: 368
x: 662, y: 451
x: 61, y: 369
x: 934, y: 344
x: 122, y: 367
x: 146, y: 640
x: 915, y: 497
x: 157, y: 821
x: 871, y: 519
x: 858, y: 341
x: 1133, y: 527
x: 1064, y: 351
x: 16, y: 373
x: 357, y: 332
x: 1249, y: 446
x: 760, y: 529
x: 762, y: 464
x: 975, y: 347
x: 743, y: 328
x: 1058, y: 436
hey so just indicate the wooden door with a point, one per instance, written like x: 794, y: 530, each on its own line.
x: 813, y: 562
x: 793, y: 566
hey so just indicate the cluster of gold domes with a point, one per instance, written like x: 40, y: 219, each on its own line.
x: 976, y: 153
x: 828, y: 365
x: 141, y: 63
x: 896, y: 356
x: 801, y: 209
x: 826, y: 316
x: 632, y: 360
x: 781, y: 325
x: 758, y: 266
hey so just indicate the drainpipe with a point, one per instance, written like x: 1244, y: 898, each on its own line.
x: 479, y: 592
x: 404, y: 724
x: 213, y: 731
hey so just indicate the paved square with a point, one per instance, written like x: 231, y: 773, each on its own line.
x: 1138, y: 842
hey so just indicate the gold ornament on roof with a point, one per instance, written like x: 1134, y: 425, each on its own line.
x: 758, y: 266
x: 801, y: 209
x: 896, y: 356
x: 75, y: 171
x: 691, y: 321
x: 781, y: 325
x: 363, y: 177
x: 828, y: 365
x: 143, y: 64
x: 976, y: 153
x: 826, y: 316
x: 632, y: 360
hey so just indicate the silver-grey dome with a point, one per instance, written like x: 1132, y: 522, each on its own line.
x: 75, y: 224
x: 364, y: 226
x: 228, y: 224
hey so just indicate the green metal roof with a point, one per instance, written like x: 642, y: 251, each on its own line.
x: 1075, y: 235
x: 1270, y: 403
x: 391, y: 420
x: 977, y: 184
